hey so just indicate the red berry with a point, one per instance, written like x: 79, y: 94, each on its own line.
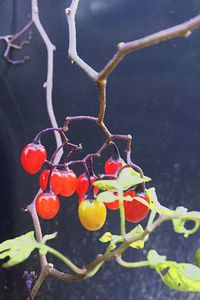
x: 69, y: 180
x: 112, y: 165
x: 56, y: 181
x: 83, y: 184
x: 135, y: 211
x: 47, y: 205
x: 32, y: 158
x: 113, y: 205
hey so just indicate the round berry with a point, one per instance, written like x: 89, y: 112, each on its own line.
x: 69, y: 180
x: 47, y: 205
x: 112, y: 165
x: 83, y: 184
x: 56, y: 181
x: 135, y: 211
x: 113, y: 205
x: 92, y: 215
x: 32, y: 158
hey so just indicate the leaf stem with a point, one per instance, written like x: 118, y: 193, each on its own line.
x: 137, y: 264
x: 65, y: 260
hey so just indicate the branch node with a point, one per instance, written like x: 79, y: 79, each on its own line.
x: 44, y: 85
x: 188, y: 33
x: 120, y: 45
x: 36, y: 9
x: 67, y: 11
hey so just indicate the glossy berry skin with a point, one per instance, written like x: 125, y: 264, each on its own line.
x: 92, y: 215
x: 113, y: 205
x: 47, y: 205
x: 69, y: 181
x: 83, y: 185
x: 32, y: 158
x: 112, y: 165
x: 56, y: 181
x: 135, y: 211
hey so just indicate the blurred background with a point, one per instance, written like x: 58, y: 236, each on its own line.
x: 153, y: 95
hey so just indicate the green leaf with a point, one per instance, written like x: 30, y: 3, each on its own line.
x: 106, y: 184
x: 129, y: 177
x: 106, y: 237
x: 18, y: 249
x: 137, y: 245
x: 182, y: 277
x: 191, y: 272
x: 154, y: 258
x: 179, y: 276
x: 107, y: 197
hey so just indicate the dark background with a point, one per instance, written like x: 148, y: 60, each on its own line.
x: 154, y: 95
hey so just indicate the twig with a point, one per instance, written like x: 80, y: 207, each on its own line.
x: 181, y: 30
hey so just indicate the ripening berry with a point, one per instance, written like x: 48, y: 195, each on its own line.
x: 135, y: 211
x: 92, y: 215
x: 112, y: 165
x: 32, y: 158
x: 47, y: 205
x: 83, y: 185
x: 56, y: 181
x: 69, y: 181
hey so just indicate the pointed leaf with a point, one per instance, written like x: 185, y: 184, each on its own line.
x: 106, y: 184
x: 183, y: 277
x: 137, y: 245
x: 106, y: 197
x: 154, y: 258
x: 18, y: 249
x: 129, y: 177
x: 106, y: 237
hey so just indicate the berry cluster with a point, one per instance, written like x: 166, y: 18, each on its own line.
x: 61, y: 180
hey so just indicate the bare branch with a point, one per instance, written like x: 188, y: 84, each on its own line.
x: 181, y: 30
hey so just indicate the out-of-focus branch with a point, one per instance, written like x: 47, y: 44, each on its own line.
x: 9, y: 40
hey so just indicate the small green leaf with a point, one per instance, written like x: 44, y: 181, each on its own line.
x: 106, y: 184
x: 192, y: 272
x: 106, y: 237
x: 154, y: 258
x: 136, y: 230
x: 129, y: 177
x: 109, y: 197
x: 18, y: 249
x: 137, y: 245
x: 106, y: 197
x: 182, y: 277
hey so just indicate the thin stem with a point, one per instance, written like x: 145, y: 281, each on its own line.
x: 43, y: 275
x: 49, y: 82
x: 72, y: 52
x: 102, y: 100
x: 65, y: 260
x: 38, y: 231
x: 181, y: 30
x: 137, y: 264
x: 122, y: 213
